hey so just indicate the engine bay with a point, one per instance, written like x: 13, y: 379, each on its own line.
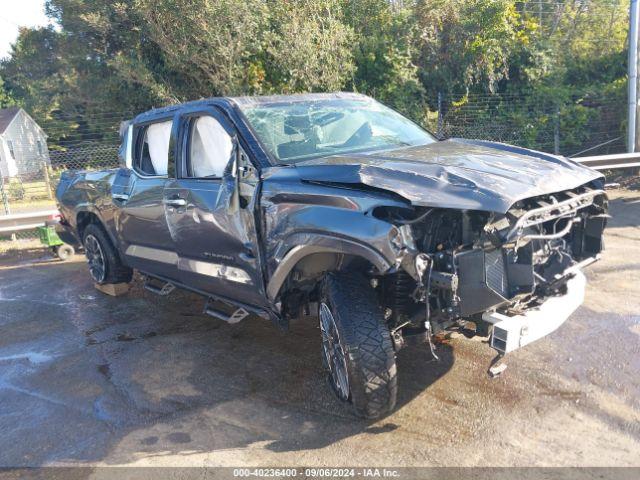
x: 459, y: 264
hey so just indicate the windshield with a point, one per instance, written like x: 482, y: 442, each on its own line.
x: 301, y: 130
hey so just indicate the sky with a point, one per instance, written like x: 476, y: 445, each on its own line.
x: 18, y: 13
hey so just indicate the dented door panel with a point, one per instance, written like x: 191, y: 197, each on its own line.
x: 213, y: 243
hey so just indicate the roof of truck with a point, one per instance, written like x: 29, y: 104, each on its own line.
x: 298, y: 97
x: 246, y: 101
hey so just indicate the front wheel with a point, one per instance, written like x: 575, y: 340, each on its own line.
x: 357, y: 350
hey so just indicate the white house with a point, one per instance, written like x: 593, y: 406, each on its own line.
x: 23, y: 144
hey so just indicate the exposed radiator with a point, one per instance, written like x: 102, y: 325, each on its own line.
x: 495, y: 272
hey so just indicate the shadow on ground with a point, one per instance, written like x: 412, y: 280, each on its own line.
x: 100, y: 379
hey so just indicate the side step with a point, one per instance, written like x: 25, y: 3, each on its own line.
x: 238, y: 314
x: 163, y: 290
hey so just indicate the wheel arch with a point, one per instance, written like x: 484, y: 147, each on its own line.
x: 87, y: 216
x: 328, y: 248
x: 84, y: 218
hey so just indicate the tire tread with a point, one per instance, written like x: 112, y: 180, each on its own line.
x: 372, y: 367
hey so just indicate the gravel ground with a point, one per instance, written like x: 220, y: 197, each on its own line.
x: 87, y: 379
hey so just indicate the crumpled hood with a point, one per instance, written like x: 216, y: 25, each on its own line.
x: 462, y: 174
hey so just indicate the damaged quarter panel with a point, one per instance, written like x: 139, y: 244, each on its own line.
x: 82, y: 193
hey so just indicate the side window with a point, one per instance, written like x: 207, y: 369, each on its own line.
x: 40, y: 151
x: 11, y: 152
x: 152, y: 154
x: 210, y: 148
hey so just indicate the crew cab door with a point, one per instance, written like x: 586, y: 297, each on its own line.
x: 210, y: 211
x: 138, y: 193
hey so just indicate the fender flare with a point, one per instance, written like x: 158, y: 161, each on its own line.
x: 90, y: 209
x: 321, y: 244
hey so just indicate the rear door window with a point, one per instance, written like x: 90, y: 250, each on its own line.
x: 152, y: 155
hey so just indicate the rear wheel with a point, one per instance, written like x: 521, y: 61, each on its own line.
x: 104, y: 262
x: 357, y: 349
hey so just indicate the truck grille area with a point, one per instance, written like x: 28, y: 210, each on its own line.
x: 525, y: 254
x: 481, y: 261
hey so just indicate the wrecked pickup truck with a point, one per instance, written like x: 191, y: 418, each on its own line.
x: 336, y: 208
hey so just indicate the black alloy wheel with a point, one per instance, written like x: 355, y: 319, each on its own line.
x: 334, y: 356
x: 95, y: 258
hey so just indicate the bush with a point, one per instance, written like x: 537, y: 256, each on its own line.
x: 15, y: 190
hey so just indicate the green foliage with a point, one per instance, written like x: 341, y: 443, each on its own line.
x: 467, y: 43
x: 5, y: 97
x: 308, y: 47
x: 384, y: 55
x: 208, y: 46
x: 15, y: 190
x: 124, y: 56
x: 232, y: 47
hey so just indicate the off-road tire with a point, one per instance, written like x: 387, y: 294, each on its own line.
x: 366, y: 341
x: 115, y: 270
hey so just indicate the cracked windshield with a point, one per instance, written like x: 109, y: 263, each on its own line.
x: 296, y: 131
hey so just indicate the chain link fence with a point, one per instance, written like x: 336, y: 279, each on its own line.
x: 593, y: 125
x: 33, y: 190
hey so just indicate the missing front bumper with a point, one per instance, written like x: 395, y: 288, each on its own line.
x: 512, y: 332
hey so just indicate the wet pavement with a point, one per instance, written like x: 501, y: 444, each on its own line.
x: 87, y: 379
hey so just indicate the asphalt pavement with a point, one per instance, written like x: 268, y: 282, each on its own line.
x: 88, y: 379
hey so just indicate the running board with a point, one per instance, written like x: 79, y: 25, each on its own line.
x: 163, y: 290
x: 238, y: 315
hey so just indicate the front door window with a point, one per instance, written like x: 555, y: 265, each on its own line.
x: 210, y: 148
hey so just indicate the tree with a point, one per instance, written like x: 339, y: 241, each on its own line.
x: 5, y: 97
x: 37, y: 76
x: 107, y: 44
x: 466, y: 43
x: 71, y: 79
x: 309, y: 48
x: 235, y: 47
x: 211, y: 48
x: 110, y: 59
x: 384, y: 55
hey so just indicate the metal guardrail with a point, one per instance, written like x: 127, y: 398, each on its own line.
x: 10, y: 224
x: 610, y: 162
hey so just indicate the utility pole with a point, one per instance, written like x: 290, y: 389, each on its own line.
x: 440, y: 119
x: 556, y: 132
x: 633, y: 75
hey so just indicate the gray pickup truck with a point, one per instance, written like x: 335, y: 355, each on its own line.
x: 336, y: 208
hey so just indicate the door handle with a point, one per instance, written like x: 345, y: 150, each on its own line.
x: 175, y: 202
x: 120, y: 196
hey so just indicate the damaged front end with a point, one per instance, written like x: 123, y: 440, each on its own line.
x: 514, y: 276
